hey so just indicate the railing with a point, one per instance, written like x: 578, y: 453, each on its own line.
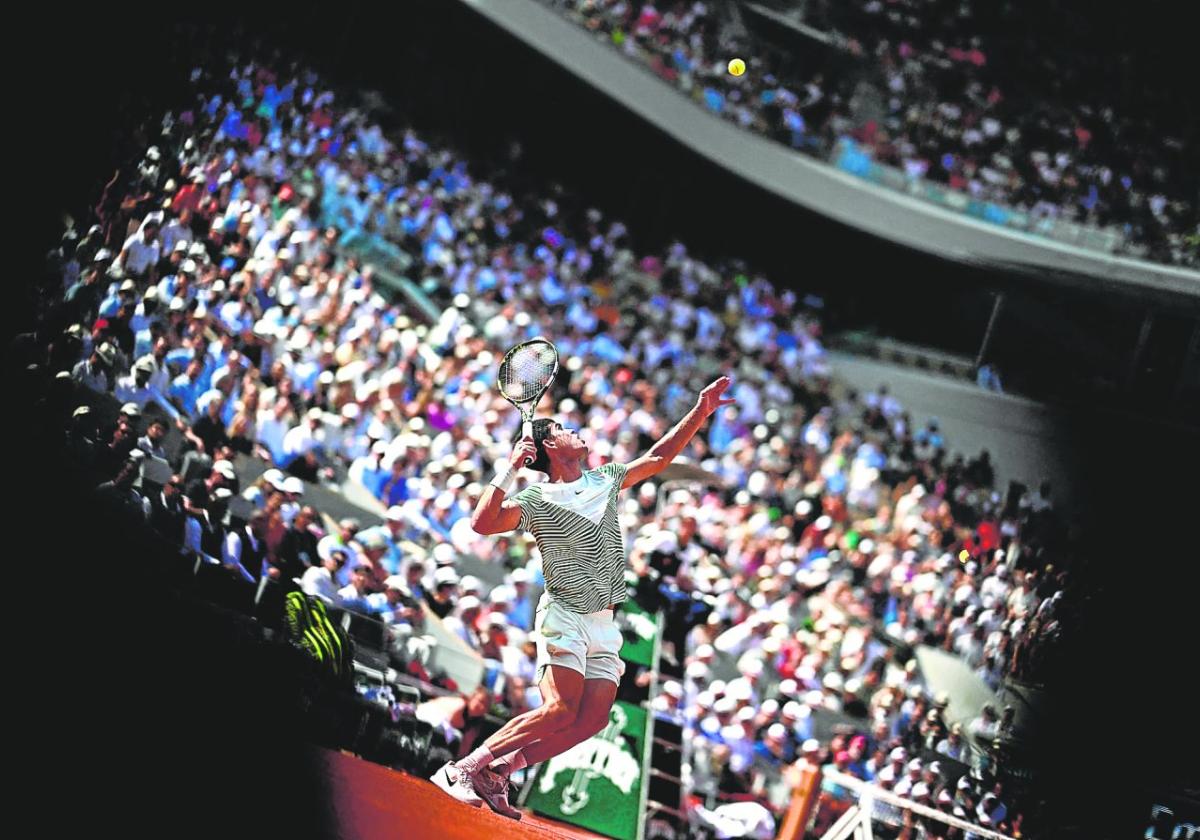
x: 874, y: 804
x: 849, y: 156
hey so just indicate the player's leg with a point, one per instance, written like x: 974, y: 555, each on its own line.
x: 562, y: 688
x: 598, y: 698
x: 563, y: 641
x: 562, y: 645
x: 603, y: 670
x: 491, y: 783
x: 562, y: 693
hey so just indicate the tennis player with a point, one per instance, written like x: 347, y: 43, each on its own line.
x: 573, y: 517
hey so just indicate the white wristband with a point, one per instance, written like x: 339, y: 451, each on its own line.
x: 504, y: 479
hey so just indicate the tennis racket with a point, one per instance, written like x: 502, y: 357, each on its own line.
x: 525, y: 375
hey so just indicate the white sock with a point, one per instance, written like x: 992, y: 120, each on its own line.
x: 470, y: 765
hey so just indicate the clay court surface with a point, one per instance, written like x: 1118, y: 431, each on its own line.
x: 370, y: 802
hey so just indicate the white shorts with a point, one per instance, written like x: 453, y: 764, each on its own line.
x: 589, y: 643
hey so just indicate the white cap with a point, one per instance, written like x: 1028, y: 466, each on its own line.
x: 395, y: 513
x: 898, y: 754
x: 915, y: 764
x: 788, y: 688
x: 468, y: 602
x: 445, y: 575
x: 275, y: 478
x: 740, y: 690
x: 292, y: 484
x: 724, y: 706
x: 470, y: 583
x: 225, y: 468
x: 746, y: 713
x: 502, y: 595
x: 673, y: 689
x: 777, y: 732
x: 751, y: 667
x: 732, y: 733
x: 812, y: 745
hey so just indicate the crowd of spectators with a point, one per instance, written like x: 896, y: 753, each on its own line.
x: 957, y: 102
x: 221, y: 305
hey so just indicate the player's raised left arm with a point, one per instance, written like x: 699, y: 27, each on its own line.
x: 672, y: 443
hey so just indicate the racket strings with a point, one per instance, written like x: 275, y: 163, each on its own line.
x: 526, y: 372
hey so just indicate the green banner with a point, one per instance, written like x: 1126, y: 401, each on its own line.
x: 597, y: 784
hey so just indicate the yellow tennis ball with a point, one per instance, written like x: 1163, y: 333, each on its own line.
x: 964, y: 555
x: 737, y: 67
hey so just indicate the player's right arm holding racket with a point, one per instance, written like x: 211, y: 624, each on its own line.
x: 494, y: 514
x: 526, y: 373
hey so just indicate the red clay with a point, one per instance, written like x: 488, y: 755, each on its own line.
x: 370, y: 802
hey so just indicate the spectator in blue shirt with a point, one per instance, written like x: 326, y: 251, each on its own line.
x: 776, y: 749
x: 393, y: 489
x: 187, y: 387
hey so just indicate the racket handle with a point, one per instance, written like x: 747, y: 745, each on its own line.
x: 527, y: 431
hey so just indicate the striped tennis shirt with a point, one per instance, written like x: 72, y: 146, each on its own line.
x: 579, y: 535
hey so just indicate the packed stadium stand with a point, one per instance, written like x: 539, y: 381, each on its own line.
x: 946, y: 92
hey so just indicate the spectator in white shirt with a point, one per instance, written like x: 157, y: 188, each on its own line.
x: 304, y: 438
x: 273, y: 425
x: 953, y: 746
x: 463, y: 624
x: 136, y: 389
x: 141, y: 252
x: 177, y: 232
x: 320, y: 581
